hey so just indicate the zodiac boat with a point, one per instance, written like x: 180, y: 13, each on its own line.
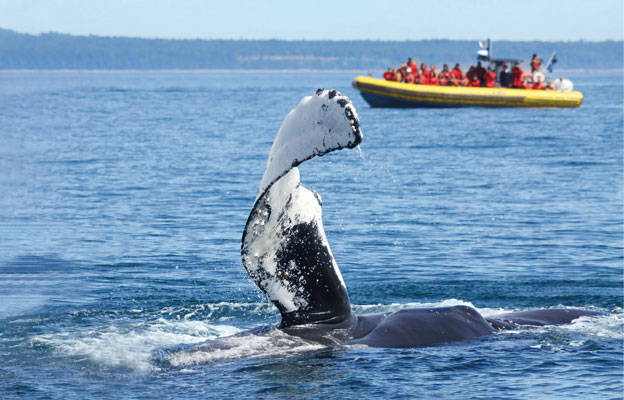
x: 382, y: 93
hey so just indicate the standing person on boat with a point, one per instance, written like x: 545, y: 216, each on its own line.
x: 535, y: 63
x: 411, y: 64
x: 516, y: 73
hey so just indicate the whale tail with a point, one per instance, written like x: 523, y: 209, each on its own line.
x: 284, y: 247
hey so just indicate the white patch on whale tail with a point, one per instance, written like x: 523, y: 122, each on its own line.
x: 320, y: 124
x: 284, y: 247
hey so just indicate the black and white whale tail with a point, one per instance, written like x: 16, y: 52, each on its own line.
x: 284, y: 247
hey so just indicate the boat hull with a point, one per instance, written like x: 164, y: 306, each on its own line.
x: 382, y: 93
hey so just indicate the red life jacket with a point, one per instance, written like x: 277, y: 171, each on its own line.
x: 387, y: 75
x: 490, y: 78
x: 457, y: 73
x: 423, y: 79
x: 433, y: 80
x: 539, y: 86
x: 517, y: 73
x: 475, y: 83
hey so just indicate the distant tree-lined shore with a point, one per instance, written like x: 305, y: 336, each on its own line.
x: 61, y: 51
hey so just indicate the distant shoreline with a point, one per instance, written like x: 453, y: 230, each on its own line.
x: 241, y: 71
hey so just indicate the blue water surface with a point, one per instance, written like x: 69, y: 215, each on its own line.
x: 123, y: 197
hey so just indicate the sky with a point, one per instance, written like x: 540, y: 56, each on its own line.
x: 548, y: 20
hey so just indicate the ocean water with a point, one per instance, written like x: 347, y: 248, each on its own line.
x: 122, y: 203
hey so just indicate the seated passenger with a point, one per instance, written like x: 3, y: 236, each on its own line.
x: 506, y: 79
x: 489, y: 78
x: 538, y: 85
x: 388, y: 74
x: 475, y: 82
x: 424, y: 71
x: 422, y: 79
x: 480, y: 71
x: 457, y: 72
x: 433, y: 76
x: 408, y: 78
x: 517, y: 73
x: 471, y: 73
x: 549, y: 85
x: 445, y: 76
x: 411, y: 64
x: 464, y: 81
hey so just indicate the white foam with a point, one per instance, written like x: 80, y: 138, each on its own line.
x: 269, y: 344
x: 131, y: 346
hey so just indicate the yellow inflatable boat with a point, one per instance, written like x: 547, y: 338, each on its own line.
x: 382, y: 93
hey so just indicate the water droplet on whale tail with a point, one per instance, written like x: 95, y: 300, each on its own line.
x: 284, y: 247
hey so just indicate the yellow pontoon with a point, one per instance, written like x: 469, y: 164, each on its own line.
x: 382, y: 93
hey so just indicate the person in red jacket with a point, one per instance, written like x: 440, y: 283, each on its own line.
x: 475, y: 82
x: 516, y: 73
x: 424, y: 71
x: 445, y: 76
x: 489, y: 78
x: 433, y: 76
x: 388, y: 74
x: 411, y: 64
x: 457, y: 72
x: 408, y: 78
x: 538, y: 85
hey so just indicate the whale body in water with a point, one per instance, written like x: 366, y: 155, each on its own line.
x: 286, y: 253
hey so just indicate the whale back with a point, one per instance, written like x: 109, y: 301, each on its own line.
x: 284, y: 248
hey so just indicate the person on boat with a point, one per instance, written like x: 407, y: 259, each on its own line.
x: 471, y: 73
x: 506, y: 78
x: 411, y: 64
x: 538, y: 85
x: 388, y: 74
x: 489, y: 78
x: 445, y: 76
x: 409, y: 77
x: 464, y: 81
x: 480, y: 71
x: 549, y: 85
x: 535, y: 63
x: 424, y: 71
x: 433, y: 76
x: 475, y: 82
x: 457, y: 72
x: 517, y: 73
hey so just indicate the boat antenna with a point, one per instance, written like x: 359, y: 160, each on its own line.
x: 485, y: 50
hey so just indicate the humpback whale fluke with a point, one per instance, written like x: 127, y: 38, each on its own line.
x: 284, y: 247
